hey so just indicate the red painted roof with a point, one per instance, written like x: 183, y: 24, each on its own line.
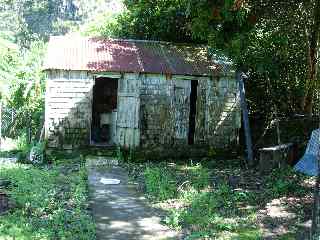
x: 98, y: 54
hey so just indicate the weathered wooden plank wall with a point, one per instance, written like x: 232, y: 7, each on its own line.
x: 164, y: 114
x: 68, y: 108
x: 128, y: 133
x: 218, y: 112
x: 156, y: 117
x: 165, y: 107
x: 153, y: 109
x: 181, y: 109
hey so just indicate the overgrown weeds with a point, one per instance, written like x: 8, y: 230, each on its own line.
x: 49, y: 204
x: 160, y: 183
x: 222, y: 202
x: 285, y: 182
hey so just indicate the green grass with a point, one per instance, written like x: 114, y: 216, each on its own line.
x: 160, y: 184
x: 285, y: 182
x: 214, y: 214
x: 214, y: 210
x: 208, y: 213
x: 49, y: 204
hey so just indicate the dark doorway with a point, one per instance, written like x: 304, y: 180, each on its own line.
x: 193, y: 111
x: 104, y: 111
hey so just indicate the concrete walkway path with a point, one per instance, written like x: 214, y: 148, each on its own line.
x: 119, y: 211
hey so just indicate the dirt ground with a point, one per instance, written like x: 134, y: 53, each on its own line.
x: 283, y: 211
x: 282, y: 199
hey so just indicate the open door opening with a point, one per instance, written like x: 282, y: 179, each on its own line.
x: 104, y: 112
x: 193, y: 111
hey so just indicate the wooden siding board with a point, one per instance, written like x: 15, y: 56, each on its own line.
x: 165, y: 106
x: 68, y: 108
x: 128, y: 133
x: 181, y: 108
x: 152, y: 109
x: 217, y: 118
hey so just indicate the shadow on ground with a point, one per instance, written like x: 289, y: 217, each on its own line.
x: 119, y: 211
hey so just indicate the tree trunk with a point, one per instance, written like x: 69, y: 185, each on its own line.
x: 0, y: 124
x: 313, y: 56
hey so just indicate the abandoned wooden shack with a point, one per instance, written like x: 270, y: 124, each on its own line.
x: 133, y: 93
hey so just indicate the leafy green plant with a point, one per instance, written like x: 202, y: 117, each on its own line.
x: 188, y: 194
x: 50, y: 204
x: 37, y: 153
x: 26, y: 95
x: 285, y: 181
x: 160, y: 183
x: 174, y: 219
x: 22, y: 144
x: 198, y: 176
x: 211, y: 212
x: 204, y: 202
x: 119, y: 153
x: 243, y: 196
x: 23, y: 148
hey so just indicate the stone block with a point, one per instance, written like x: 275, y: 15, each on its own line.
x: 275, y: 157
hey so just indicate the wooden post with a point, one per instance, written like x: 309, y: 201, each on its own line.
x: 0, y: 124
x: 278, y: 131
x: 245, y: 116
x: 28, y: 130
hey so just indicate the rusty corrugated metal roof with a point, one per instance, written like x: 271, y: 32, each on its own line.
x: 103, y: 55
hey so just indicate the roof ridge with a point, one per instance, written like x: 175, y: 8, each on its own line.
x: 126, y: 40
x: 126, y: 55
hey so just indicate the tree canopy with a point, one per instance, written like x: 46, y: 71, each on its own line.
x: 275, y: 40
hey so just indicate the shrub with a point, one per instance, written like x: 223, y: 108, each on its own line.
x: 174, y: 219
x: 160, y: 183
x: 285, y: 181
x: 211, y: 212
x: 204, y: 202
x: 23, y: 148
x: 49, y: 204
x: 198, y: 176
x: 36, y: 155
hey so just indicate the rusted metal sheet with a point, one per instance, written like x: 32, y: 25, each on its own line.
x: 98, y: 55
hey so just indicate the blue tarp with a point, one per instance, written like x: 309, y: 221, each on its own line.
x: 308, y: 163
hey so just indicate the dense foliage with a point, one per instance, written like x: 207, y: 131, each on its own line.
x: 271, y: 39
x: 48, y: 203
x: 35, y: 20
x: 25, y: 27
x: 26, y: 90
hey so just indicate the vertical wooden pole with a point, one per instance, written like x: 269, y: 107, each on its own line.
x: 278, y: 131
x: 0, y: 124
x: 28, y: 130
x: 245, y: 116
